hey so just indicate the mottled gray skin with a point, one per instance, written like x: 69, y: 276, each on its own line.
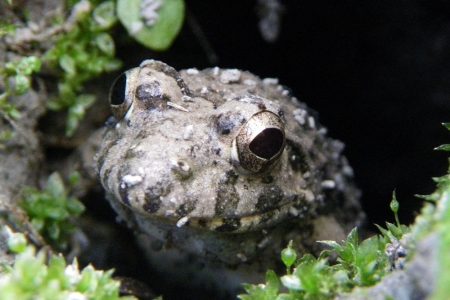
x: 168, y: 170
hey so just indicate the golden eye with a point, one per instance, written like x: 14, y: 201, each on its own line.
x: 120, y: 94
x: 259, y: 143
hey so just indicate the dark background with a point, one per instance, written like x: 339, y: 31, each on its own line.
x: 378, y: 73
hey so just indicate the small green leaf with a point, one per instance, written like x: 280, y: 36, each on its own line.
x: 67, y: 63
x: 445, y: 147
x: 6, y: 28
x: 6, y: 135
x: 288, y: 255
x: 53, y: 231
x: 17, y: 242
x: 446, y: 125
x: 105, y: 15
x: 74, y: 178
x: 394, y: 205
x: 352, y: 237
x: 74, y: 206
x: 77, y: 111
x: 29, y: 65
x: 332, y: 244
x: 22, y: 84
x: 105, y: 43
x: 272, y: 282
x: 167, y: 22
x: 55, y: 185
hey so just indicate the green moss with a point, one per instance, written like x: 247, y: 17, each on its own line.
x: 52, y: 210
x: 442, y: 197
x: 34, y: 275
x: 15, y: 78
x: 83, y: 53
x: 358, y: 264
x: 443, y: 287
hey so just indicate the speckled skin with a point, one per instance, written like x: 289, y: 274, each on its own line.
x: 167, y: 168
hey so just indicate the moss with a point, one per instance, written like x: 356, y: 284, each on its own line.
x: 35, y: 275
x: 51, y: 210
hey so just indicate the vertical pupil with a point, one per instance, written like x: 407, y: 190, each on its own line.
x: 117, y: 94
x: 268, y: 143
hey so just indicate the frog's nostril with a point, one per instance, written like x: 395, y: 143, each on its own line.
x: 268, y: 143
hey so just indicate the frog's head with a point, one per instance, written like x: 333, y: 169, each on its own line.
x: 190, y: 148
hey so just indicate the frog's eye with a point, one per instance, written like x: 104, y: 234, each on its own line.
x: 259, y: 143
x: 118, y: 96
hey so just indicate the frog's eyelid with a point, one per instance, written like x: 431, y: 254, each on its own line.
x: 259, y: 143
x: 120, y: 95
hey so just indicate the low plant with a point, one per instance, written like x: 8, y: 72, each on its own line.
x: 36, y: 275
x: 52, y: 210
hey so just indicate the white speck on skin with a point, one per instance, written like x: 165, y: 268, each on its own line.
x: 187, y: 99
x: 285, y: 92
x: 131, y: 180
x: 309, y: 196
x: 322, y: 131
x: 300, y: 116
x: 328, y: 184
x: 169, y: 213
x: 188, y: 132
x: 311, y: 122
x: 182, y: 168
x: 173, y: 200
x: 249, y: 82
x: 347, y: 170
x: 192, y: 71
x: 204, y: 90
x: 215, y: 71
x: 230, y: 76
x: 270, y: 81
x: 295, y: 100
x: 181, y: 222
x: 293, y: 211
x: 245, y: 100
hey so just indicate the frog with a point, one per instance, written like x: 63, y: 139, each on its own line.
x: 217, y: 170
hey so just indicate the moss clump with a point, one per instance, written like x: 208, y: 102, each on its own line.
x: 358, y: 264
x: 34, y: 275
x: 52, y: 210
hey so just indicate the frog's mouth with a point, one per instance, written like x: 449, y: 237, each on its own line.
x: 246, y: 223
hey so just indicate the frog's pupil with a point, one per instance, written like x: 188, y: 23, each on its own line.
x: 268, y: 143
x: 117, y: 95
